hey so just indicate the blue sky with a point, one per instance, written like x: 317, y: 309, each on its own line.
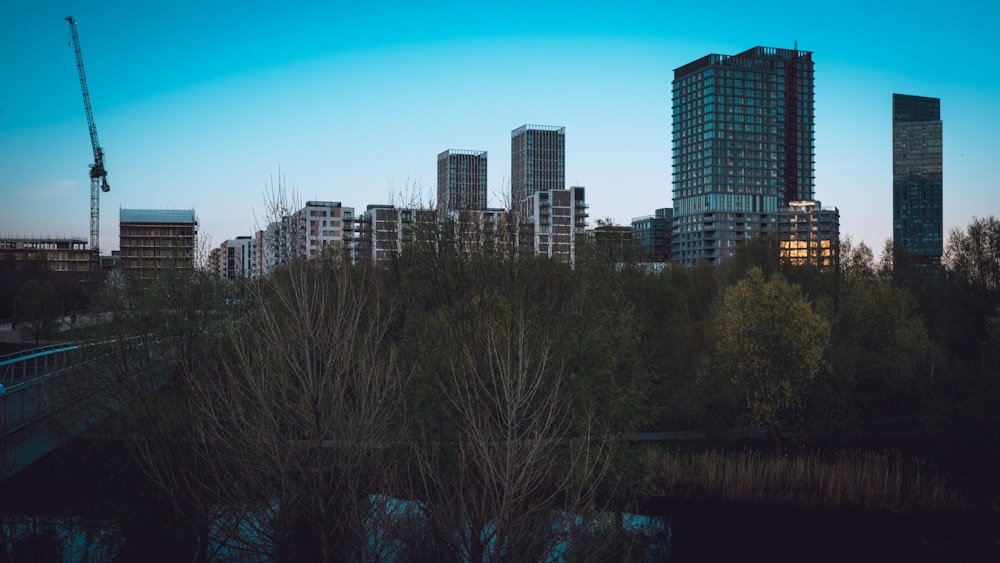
x: 199, y: 105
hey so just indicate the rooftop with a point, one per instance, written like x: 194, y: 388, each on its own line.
x: 524, y: 128
x: 157, y: 216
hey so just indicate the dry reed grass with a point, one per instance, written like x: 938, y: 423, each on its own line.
x: 876, y: 480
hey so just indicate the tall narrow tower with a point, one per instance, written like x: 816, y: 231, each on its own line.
x: 537, y: 161
x: 743, y: 147
x: 916, y: 184
x: 461, y: 181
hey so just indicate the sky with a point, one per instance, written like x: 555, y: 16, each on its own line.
x: 209, y: 105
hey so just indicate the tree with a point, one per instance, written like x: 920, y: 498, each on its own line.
x: 856, y: 262
x: 770, y: 346
x: 881, y: 349
x: 973, y: 257
x: 37, y: 308
x: 886, y: 268
x: 293, y: 419
x: 518, y: 464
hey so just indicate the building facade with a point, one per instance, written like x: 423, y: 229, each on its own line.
x: 742, y: 144
x: 157, y: 243
x: 233, y: 259
x: 385, y: 230
x: 916, y: 183
x: 323, y: 227
x: 651, y: 236
x: 59, y: 254
x: 537, y: 162
x: 461, y: 179
x: 276, y: 242
x: 809, y: 235
x: 551, y: 221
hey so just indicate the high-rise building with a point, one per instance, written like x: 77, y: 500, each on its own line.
x: 742, y: 146
x: 461, y: 181
x: 156, y: 243
x: 916, y: 183
x: 537, y: 162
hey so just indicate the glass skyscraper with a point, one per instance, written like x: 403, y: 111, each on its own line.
x: 916, y: 182
x: 743, y: 148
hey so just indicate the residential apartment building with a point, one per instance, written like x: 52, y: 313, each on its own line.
x: 916, y: 184
x: 549, y: 215
x: 323, y: 227
x: 233, y: 259
x: 551, y: 221
x: 461, y: 181
x: 537, y: 162
x: 276, y: 244
x: 651, y: 236
x: 157, y: 243
x: 385, y: 230
x: 743, y: 144
x: 490, y: 229
x: 809, y: 235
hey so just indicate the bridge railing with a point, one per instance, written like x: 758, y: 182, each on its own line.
x: 24, y: 397
x: 22, y: 365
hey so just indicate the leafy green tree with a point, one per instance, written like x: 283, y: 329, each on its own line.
x: 770, y: 347
x: 886, y: 263
x: 37, y: 308
x: 973, y: 257
x: 857, y: 262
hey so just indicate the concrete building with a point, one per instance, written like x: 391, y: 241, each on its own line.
x: 384, y: 231
x: 277, y: 241
x: 59, y: 254
x: 323, y: 227
x: 233, y: 259
x: 916, y: 184
x: 743, y: 136
x: 157, y: 243
x: 551, y: 221
x: 461, y: 181
x: 809, y: 235
x: 491, y: 230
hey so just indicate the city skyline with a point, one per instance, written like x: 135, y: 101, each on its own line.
x: 352, y: 105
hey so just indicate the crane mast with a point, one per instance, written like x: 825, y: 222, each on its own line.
x: 98, y: 175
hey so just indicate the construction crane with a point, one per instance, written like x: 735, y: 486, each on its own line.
x: 98, y: 175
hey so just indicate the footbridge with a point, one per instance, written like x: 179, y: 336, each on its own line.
x: 33, y: 390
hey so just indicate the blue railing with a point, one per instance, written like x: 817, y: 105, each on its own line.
x: 22, y: 398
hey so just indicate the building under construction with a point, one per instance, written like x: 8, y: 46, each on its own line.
x: 156, y: 243
x: 59, y: 254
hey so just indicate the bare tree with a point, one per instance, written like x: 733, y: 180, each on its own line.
x: 517, y: 482
x: 294, y: 419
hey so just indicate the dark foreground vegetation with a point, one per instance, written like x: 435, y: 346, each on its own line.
x: 467, y: 404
